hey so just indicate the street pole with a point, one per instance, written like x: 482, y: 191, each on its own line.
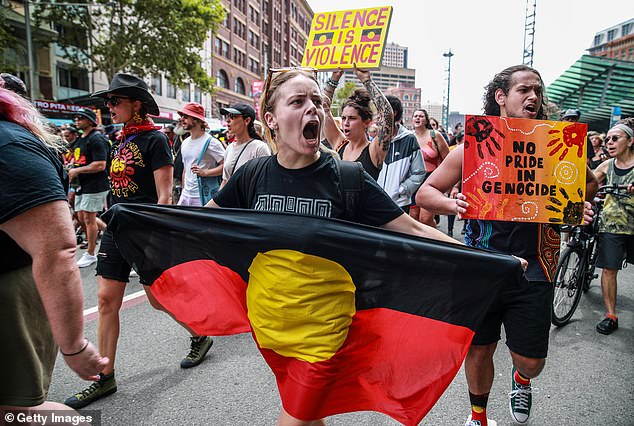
x: 29, y: 49
x: 447, y: 55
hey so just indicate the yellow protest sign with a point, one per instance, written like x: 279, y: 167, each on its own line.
x: 343, y: 38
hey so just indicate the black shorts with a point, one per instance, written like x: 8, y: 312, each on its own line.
x: 110, y: 263
x: 525, y: 312
x: 615, y: 250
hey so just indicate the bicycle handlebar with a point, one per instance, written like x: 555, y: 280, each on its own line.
x: 614, y: 187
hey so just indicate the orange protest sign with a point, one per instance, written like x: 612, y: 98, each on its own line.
x: 343, y: 38
x: 524, y: 170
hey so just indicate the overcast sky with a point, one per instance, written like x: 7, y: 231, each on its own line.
x: 487, y: 36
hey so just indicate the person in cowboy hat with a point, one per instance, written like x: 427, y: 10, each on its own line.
x: 197, y: 163
x: 140, y: 172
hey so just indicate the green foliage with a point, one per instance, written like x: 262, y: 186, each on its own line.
x: 341, y: 95
x: 142, y: 37
x: 7, y: 41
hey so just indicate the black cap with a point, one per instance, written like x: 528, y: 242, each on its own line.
x: 13, y: 83
x: 86, y: 113
x: 110, y: 129
x: 244, y: 110
x: 570, y: 113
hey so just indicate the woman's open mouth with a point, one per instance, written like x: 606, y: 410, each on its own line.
x: 311, y: 130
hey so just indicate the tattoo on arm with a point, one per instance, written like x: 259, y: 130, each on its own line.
x: 385, y: 120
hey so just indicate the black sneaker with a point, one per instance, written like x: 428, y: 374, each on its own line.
x: 198, y: 349
x: 608, y: 325
x: 105, y: 386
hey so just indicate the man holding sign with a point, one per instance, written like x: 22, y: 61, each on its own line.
x: 516, y: 92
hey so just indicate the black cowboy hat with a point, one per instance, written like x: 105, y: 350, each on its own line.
x: 133, y: 87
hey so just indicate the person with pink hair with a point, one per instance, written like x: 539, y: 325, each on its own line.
x: 41, y: 296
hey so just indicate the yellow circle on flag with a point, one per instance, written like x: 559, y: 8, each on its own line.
x: 322, y: 38
x: 299, y: 305
x: 371, y: 35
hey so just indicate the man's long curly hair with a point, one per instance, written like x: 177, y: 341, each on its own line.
x: 504, y: 80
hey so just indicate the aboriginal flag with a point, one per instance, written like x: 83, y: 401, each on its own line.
x: 349, y: 317
x: 371, y: 35
x: 323, y: 39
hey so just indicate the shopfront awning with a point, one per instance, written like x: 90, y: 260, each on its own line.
x: 595, y: 85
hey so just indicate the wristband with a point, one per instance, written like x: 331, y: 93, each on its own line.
x: 332, y: 83
x: 79, y: 351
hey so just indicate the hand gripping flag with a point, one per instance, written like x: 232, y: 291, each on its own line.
x: 348, y: 317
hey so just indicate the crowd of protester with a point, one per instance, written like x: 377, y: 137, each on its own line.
x: 89, y: 167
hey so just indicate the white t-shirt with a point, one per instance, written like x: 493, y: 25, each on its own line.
x: 255, y: 149
x: 190, y: 151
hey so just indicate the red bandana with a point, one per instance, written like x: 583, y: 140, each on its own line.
x: 133, y: 129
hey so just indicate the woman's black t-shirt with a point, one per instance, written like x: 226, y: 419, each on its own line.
x: 313, y: 190
x: 132, y: 166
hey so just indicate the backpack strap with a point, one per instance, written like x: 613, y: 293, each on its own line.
x: 202, y: 153
x: 351, y: 180
x: 252, y: 170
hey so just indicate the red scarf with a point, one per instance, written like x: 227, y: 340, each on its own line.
x: 133, y: 129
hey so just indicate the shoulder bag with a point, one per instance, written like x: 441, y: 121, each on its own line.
x: 208, y: 185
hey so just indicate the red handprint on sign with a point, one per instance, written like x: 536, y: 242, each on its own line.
x: 482, y: 129
x: 573, y: 135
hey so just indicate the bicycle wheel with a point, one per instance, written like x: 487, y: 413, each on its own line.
x: 591, y: 268
x: 568, y: 280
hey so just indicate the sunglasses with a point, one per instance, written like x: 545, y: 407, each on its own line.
x: 613, y: 138
x: 272, y: 71
x: 113, y: 100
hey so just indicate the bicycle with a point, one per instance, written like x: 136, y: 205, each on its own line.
x: 576, y: 267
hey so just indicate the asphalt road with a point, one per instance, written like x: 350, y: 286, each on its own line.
x: 587, y: 379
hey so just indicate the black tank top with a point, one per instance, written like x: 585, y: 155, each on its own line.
x: 365, y: 160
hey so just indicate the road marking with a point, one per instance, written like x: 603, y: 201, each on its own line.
x: 130, y: 300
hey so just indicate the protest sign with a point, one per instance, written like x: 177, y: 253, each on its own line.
x: 343, y: 38
x: 524, y: 170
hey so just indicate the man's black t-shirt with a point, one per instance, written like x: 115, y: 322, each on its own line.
x: 313, y: 190
x: 89, y: 148
x: 30, y: 175
x: 132, y: 166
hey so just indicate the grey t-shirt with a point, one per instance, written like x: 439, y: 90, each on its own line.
x: 235, y: 157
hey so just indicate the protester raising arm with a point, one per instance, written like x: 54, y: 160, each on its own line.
x: 354, y: 109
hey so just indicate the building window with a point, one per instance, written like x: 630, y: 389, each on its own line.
x: 170, y: 91
x: 198, y: 95
x: 626, y: 29
x: 155, y: 85
x: 77, y: 78
x: 598, y: 39
x: 254, y: 66
x: 254, y: 39
x: 239, y: 58
x: 239, y: 87
x: 611, y: 35
x: 222, y: 80
x: 239, y: 28
x: 185, y: 93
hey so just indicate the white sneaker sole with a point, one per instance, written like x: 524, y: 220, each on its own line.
x: 489, y: 421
